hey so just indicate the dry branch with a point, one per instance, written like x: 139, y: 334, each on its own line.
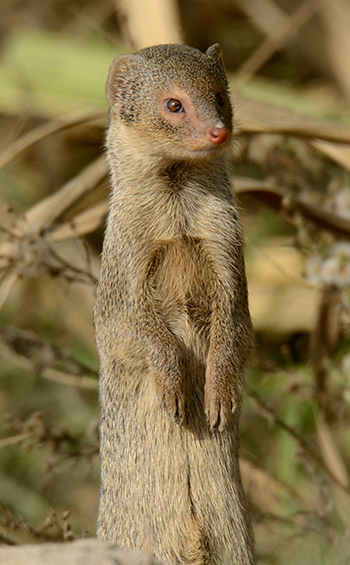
x: 83, y: 223
x: 272, y: 416
x: 42, y: 215
x: 38, y: 356
x: 152, y: 22
x: 287, y: 206
x: 255, y: 116
x: 290, y: 26
x: 44, y: 131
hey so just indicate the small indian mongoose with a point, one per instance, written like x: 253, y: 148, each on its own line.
x: 172, y: 322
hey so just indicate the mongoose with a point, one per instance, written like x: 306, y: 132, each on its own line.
x: 172, y: 321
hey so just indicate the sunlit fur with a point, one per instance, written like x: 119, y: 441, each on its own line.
x: 172, y: 321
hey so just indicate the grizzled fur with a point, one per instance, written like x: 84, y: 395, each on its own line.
x: 172, y: 321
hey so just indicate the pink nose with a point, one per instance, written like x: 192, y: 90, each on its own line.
x: 217, y: 135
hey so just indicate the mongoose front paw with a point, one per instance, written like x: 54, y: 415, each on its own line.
x: 221, y: 394
x: 218, y: 409
x: 173, y: 399
x: 174, y: 405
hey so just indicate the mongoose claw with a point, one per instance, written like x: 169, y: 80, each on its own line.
x: 218, y: 410
x: 174, y: 405
x: 211, y: 413
x: 216, y: 416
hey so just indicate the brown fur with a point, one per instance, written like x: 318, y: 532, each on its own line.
x: 172, y: 322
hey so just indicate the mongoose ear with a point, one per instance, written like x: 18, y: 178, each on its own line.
x: 120, y: 71
x: 215, y: 52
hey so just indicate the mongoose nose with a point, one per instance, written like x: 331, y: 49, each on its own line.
x: 217, y: 135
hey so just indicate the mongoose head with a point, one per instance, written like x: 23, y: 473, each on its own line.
x: 174, y: 99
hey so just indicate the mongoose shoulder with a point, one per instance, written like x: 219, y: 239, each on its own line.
x: 172, y: 322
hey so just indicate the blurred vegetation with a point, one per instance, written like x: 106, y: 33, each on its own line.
x: 288, y: 63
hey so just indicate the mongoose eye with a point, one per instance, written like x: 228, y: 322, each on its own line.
x: 220, y: 99
x: 174, y: 106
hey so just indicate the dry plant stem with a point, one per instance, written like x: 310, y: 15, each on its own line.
x: 288, y: 274
x: 323, y: 340
x: 276, y: 199
x: 15, y: 440
x: 255, y: 116
x: 45, y: 130
x: 334, y: 461
x: 42, y: 215
x: 86, y: 222
x: 266, y: 15
x: 335, y: 15
x: 271, y: 415
x: 283, y: 33
x: 6, y: 284
x: 29, y: 359
x: 322, y: 343
x: 70, y: 380
x: 330, y: 452
x: 75, y: 271
x: 340, y: 154
x: 151, y: 22
x: 266, y: 490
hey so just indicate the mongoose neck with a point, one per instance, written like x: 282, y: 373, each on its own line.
x: 135, y: 168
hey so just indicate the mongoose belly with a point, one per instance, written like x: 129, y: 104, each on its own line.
x: 165, y: 486
x: 181, y: 281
